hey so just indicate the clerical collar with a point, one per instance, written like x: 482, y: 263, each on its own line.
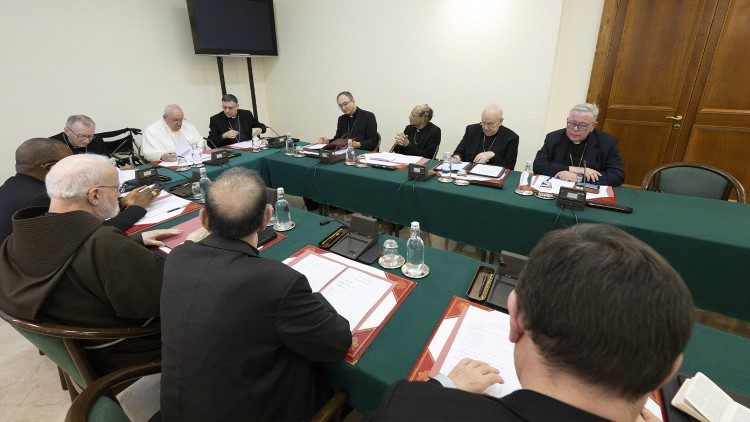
x: 354, y: 115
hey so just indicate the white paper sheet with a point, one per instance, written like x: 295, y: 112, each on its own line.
x: 354, y: 293
x: 483, y: 335
x: 486, y: 170
x: 182, y: 147
x: 454, y: 166
x: 187, y: 161
x: 318, y: 270
x: 380, y: 313
x: 125, y: 175
x: 164, y: 207
x: 556, y: 184
x: 243, y: 144
x: 391, y: 157
x: 314, y: 146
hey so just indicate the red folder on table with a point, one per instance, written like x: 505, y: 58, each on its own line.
x: 376, y: 317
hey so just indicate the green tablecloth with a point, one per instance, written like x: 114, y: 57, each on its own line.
x: 707, y: 241
x: 393, y: 352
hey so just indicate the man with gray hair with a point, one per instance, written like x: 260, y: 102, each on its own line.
x: 79, y: 135
x: 242, y: 336
x: 62, y: 265
x: 160, y: 139
x: 581, y: 152
x: 488, y: 142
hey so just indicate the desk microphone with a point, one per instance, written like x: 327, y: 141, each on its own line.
x: 274, y: 130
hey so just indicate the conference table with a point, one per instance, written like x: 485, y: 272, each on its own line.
x: 707, y: 241
x: 394, y: 351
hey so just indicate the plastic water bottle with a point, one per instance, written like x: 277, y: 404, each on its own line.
x: 204, y: 182
x: 256, y: 141
x: 197, y: 155
x: 526, y: 175
x: 414, y: 266
x: 283, y: 214
x: 289, y: 145
x: 350, y: 158
x: 445, y: 168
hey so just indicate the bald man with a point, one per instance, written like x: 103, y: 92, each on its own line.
x: 62, y: 265
x: 242, y: 335
x: 34, y: 158
x: 489, y: 142
x: 160, y: 139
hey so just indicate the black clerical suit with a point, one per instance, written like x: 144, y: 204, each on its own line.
x: 243, y: 336
x: 23, y: 191
x: 243, y: 123
x: 422, y: 142
x: 504, y: 144
x: 416, y: 401
x: 360, y: 126
x: 600, y: 154
x: 96, y: 146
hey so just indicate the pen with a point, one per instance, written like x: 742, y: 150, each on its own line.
x: 172, y: 210
x: 486, y: 287
x: 549, y: 178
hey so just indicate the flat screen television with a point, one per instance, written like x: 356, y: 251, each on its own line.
x: 233, y: 27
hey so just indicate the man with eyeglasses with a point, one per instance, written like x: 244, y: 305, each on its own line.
x: 61, y: 264
x: 488, y: 142
x: 79, y: 135
x: 356, y: 124
x: 581, y: 152
x: 161, y: 137
x: 34, y: 159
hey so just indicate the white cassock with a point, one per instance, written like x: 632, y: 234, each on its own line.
x: 159, y: 139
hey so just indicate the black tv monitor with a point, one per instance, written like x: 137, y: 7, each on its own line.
x: 233, y: 27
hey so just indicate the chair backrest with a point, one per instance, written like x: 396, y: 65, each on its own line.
x: 93, y: 405
x: 377, y: 144
x: 693, y: 179
x: 61, y: 343
x: 119, y: 140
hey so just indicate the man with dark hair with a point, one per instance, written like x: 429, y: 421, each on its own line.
x: 233, y: 124
x: 421, y: 137
x: 34, y: 159
x: 356, y: 124
x: 62, y: 264
x: 580, y: 151
x: 79, y: 135
x: 242, y: 336
x: 599, y: 320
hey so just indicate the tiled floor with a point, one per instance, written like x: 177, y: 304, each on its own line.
x: 30, y: 387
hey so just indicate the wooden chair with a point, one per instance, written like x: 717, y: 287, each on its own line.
x: 693, y: 179
x: 62, y: 344
x: 94, y: 405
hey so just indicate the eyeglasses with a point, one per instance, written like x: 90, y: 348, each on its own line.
x: 577, y: 126
x: 120, y: 189
x: 79, y: 136
x: 344, y: 104
x: 490, y: 125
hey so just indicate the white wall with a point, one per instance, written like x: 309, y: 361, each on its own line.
x: 456, y: 55
x: 120, y: 62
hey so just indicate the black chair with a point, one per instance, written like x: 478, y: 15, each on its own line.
x: 122, y: 144
x: 94, y: 403
x: 693, y: 179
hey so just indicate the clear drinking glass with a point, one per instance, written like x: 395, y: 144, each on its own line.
x: 390, y: 257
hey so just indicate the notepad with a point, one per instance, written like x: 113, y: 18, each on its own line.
x: 700, y: 398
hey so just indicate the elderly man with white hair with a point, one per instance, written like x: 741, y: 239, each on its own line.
x: 62, y: 265
x: 160, y: 139
x: 488, y: 142
x: 580, y: 151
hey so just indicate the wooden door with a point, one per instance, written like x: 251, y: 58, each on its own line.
x: 668, y: 76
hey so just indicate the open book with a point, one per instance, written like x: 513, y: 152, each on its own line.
x: 700, y: 398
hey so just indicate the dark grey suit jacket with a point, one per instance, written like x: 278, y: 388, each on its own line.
x: 242, y: 336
